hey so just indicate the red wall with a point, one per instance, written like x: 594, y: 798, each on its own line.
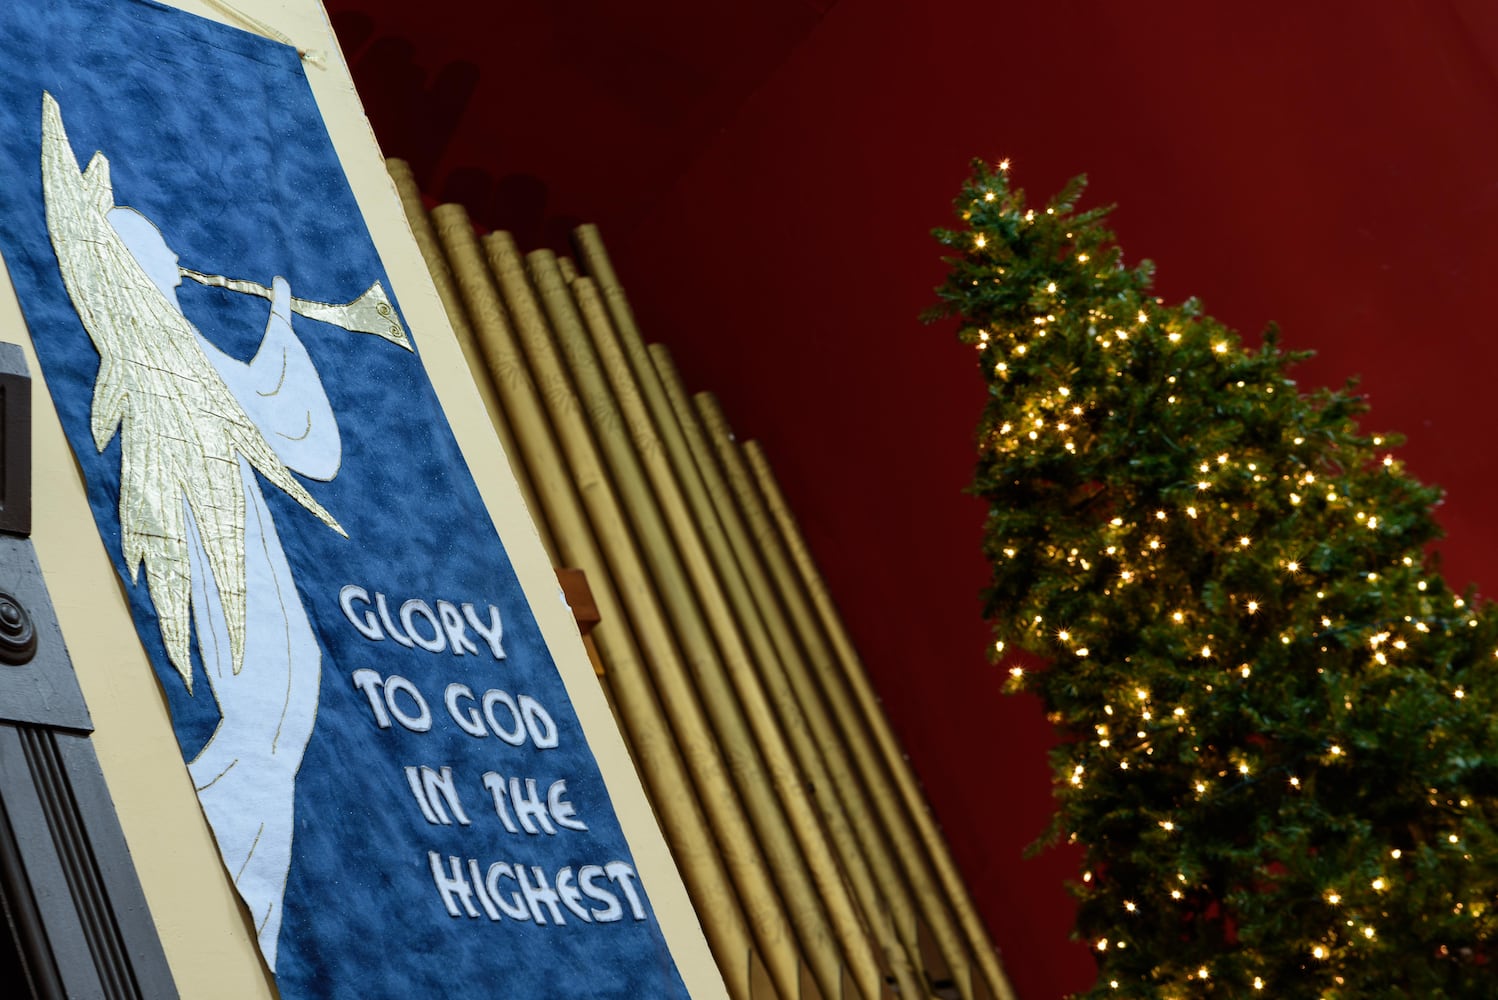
x: 1333, y: 167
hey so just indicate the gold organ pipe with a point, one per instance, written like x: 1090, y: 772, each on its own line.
x: 857, y: 683
x: 943, y: 927
x: 870, y: 824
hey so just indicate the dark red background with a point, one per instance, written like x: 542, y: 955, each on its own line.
x: 766, y: 173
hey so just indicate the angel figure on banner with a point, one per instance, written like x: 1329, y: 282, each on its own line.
x: 199, y: 432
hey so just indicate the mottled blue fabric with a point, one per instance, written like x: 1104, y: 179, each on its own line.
x: 213, y: 134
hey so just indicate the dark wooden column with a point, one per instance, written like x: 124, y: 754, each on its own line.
x: 76, y: 921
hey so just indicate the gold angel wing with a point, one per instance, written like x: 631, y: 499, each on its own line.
x: 182, y: 431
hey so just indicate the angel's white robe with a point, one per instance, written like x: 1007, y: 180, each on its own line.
x: 200, y: 432
x: 246, y: 773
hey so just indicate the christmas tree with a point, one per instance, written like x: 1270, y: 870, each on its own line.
x: 1278, y: 722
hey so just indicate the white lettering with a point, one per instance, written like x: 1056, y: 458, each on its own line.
x: 536, y: 815
x: 526, y: 717
x: 413, y: 780
x: 427, y: 785
x: 623, y: 876
x: 470, y: 723
x: 420, y: 722
x: 512, y: 906
x: 491, y: 633
x: 529, y: 806
x: 561, y: 810
x: 367, y: 626
x: 538, y: 723
x: 571, y: 897
x: 452, y: 624
x: 587, y: 895
x: 479, y: 889
x: 493, y: 697
x: 495, y: 782
x: 539, y: 895
x: 612, y: 911
x: 395, y: 633
x: 448, y: 624
x: 452, y: 887
x: 369, y: 682
x: 438, y: 642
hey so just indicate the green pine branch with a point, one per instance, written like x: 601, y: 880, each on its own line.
x: 1280, y: 733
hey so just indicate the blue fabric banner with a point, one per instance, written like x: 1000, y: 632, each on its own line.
x: 394, y: 775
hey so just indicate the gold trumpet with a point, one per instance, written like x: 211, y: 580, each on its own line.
x: 369, y: 313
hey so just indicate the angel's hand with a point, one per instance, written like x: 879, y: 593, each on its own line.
x: 280, y: 302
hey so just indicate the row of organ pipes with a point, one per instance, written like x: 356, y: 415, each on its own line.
x: 815, y: 867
